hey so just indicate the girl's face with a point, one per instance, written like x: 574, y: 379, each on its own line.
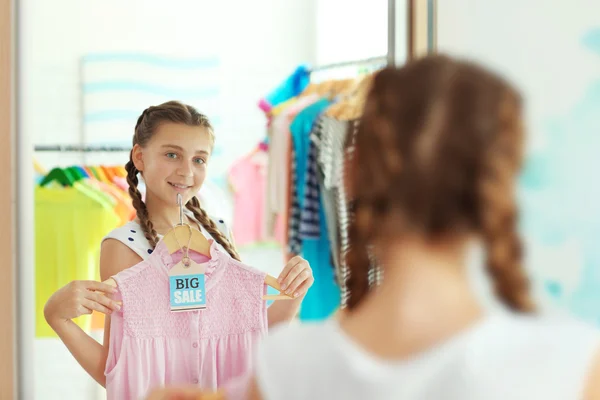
x: 174, y: 161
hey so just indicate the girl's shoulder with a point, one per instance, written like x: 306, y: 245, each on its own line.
x: 132, y: 236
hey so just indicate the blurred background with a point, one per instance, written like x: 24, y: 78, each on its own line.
x: 87, y: 69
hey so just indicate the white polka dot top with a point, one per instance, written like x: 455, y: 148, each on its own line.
x: 132, y: 236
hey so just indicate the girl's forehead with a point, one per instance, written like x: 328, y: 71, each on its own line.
x: 190, y: 138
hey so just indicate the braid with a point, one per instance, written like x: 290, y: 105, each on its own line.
x: 140, y: 120
x: 500, y: 216
x: 139, y: 205
x: 200, y: 215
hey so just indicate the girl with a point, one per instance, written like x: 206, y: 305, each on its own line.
x: 434, y: 173
x: 172, y: 145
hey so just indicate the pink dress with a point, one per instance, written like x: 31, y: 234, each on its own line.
x: 150, y: 346
x: 248, y: 178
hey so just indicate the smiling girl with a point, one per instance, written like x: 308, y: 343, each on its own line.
x: 172, y: 146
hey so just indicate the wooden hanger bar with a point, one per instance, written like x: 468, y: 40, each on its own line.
x: 179, y: 236
x: 272, y: 281
x: 269, y: 280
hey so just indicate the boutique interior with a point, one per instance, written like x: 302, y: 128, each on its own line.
x: 279, y: 88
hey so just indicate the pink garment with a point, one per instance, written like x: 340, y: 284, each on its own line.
x: 150, y: 346
x: 238, y: 388
x: 248, y: 178
x: 278, y: 185
x: 121, y: 183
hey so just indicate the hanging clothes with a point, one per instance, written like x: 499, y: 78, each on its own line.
x: 328, y: 138
x: 309, y: 214
x: 69, y: 225
x: 291, y: 87
x: 314, y: 200
x: 73, y: 211
x: 279, y: 152
x: 151, y: 346
x: 248, y: 181
x: 323, y: 297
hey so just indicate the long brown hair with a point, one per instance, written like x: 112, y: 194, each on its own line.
x: 145, y: 128
x: 437, y: 154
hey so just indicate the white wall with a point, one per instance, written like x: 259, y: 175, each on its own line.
x: 535, y: 43
x: 351, y: 30
x: 258, y: 43
x: 255, y: 54
x: 538, y: 45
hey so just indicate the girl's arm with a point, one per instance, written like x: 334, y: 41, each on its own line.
x: 78, y: 298
x: 297, y: 275
x: 283, y: 311
x: 86, y: 350
x: 296, y: 278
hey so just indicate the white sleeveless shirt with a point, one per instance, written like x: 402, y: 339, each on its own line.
x: 502, y: 357
x: 132, y: 236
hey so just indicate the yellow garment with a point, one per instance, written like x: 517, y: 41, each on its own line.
x: 69, y: 226
x: 120, y: 171
x: 101, y: 175
x: 282, y: 106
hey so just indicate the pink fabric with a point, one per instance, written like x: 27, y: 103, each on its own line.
x: 264, y: 105
x: 121, y: 183
x: 237, y: 389
x: 248, y: 178
x: 278, y: 184
x: 150, y: 346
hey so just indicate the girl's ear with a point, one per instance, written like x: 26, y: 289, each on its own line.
x: 137, y: 157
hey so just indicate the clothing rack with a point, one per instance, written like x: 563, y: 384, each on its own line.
x: 365, y: 61
x: 81, y: 149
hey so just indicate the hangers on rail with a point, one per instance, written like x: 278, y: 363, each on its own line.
x: 351, y: 108
x: 200, y: 244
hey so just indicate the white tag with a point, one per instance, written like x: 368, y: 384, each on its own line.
x: 187, y: 286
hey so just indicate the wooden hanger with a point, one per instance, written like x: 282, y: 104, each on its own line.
x: 345, y: 87
x: 200, y: 244
x: 352, y: 107
x: 194, y: 239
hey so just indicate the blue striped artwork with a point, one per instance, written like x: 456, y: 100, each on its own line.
x: 152, y: 59
x: 117, y: 87
x: 161, y: 90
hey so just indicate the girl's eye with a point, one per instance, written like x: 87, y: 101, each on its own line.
x: 200, y: 161
x: 171, y: 155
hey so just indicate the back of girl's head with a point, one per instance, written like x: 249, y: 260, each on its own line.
x: 437, y: 154
x: 145, y: 128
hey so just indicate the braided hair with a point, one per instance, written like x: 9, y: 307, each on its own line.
x: 145, y: 128
x: 437, y: 154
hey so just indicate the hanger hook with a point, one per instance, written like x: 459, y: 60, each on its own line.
x: 180, y: 204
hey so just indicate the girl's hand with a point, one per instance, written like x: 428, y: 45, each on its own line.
x: 296, y: 278
x: 78, y: 298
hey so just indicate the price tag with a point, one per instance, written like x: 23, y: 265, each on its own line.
x: 187, y: 284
